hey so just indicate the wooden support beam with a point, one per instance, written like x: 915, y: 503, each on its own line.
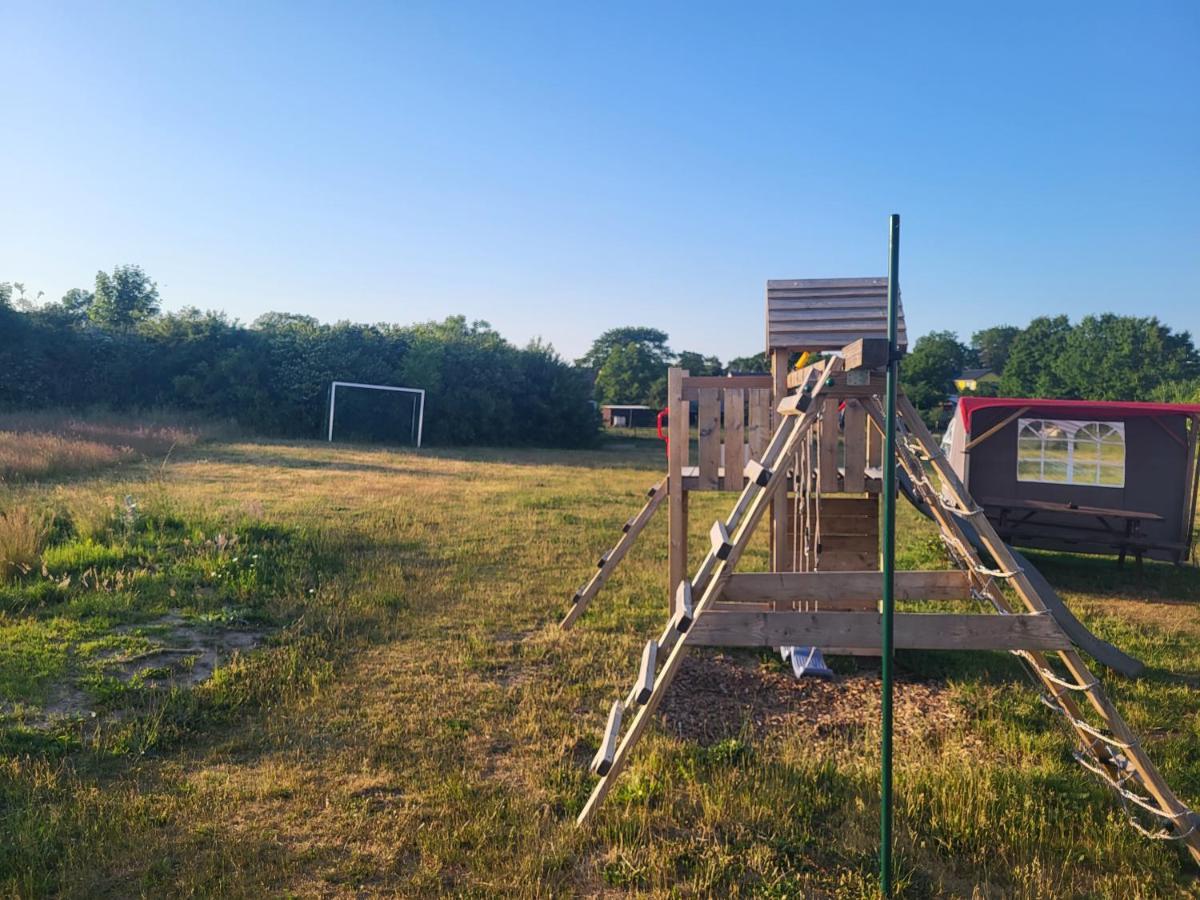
x: 603, y: 759
x: 645, y: 681
x: 708, y: 431
x: 718, y: 535
x: 999, y: 426
x: 913, y: 631
x: 677, y: 458
x: 861, y: 586
x: 854, y: 448
x: 610, y: 560
x: 866, y: 353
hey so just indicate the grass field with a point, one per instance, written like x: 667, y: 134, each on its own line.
x: 300, y: 670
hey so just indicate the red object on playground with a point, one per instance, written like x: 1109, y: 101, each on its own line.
x: 662, y: 414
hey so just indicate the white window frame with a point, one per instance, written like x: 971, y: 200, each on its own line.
x: 1070, y: 427
x: 418, y: 407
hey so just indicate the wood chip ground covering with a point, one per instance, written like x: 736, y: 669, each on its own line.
x: 717, y: 696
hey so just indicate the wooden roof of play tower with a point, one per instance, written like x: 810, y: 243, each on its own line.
x: 827, y: 313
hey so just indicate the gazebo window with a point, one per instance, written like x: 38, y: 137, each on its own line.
x: 1060, y: 451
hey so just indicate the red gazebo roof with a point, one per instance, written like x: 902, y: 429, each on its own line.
x: 1075, y: 409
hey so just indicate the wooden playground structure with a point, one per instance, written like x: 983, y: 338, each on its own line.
x: 801, y: 451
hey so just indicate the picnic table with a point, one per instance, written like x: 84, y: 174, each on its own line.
x: 1122, y: 526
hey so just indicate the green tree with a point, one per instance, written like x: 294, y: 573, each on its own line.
x: 1030, y: 370
x: 756, y: 364
x: 929, y: 369
x: 651, y: 341
x: 123, y: 299
x: 699, y: 364
x: 991, y: 346
x: 631, y: 374
x: 1111, y: 357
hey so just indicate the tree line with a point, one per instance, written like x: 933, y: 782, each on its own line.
x: 114, y: 347
x: 1102, y: 357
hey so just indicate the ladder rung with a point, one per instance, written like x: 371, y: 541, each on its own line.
x: 653, y: 490
x: 757, y: 473
x: 793, y: 404
x: 629, y: 524
x: 684, y: 611
x: 577, y: 596
x: 603, y: 759
x: 719, y: 535
x: 645, y: 681
x: 602, y: 561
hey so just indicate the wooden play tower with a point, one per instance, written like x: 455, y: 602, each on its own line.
x: 800, y: 450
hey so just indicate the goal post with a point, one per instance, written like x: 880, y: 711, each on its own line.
x: 418, y: 405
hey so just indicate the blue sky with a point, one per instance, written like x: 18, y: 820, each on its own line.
x: 560, y: 169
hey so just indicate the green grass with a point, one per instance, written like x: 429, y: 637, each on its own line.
x: 412, y: 722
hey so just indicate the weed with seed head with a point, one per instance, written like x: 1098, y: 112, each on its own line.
x: 24, y: 532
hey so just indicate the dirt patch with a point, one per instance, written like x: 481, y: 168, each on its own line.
x: 187, y: 655
x: 718, y: 696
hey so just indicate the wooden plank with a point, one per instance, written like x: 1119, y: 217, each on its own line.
x: 777, y: 531
x: 726, y: 382
x: 788, y: 339
x: 827, y: 448
x: 847, y: 560
x: 849, y: 543
x: 735, y: 440
x: 825, y: 587
x: 709, y: 426
x: 833, y: 524
x: 603, y: 760
x: 912, y: 631
x: 854, y: 448
x: 677, y: 457
x: 863, y: 507
x: 999, y: 426
x: 719, y: 536
x: 866, y: 353
x: 759, y: 431
x: 775, y: 284
x: 644, y: 687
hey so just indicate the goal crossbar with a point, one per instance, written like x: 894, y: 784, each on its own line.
x: 418, y: 407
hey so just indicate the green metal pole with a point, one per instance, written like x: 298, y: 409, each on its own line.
x: 889, y: 559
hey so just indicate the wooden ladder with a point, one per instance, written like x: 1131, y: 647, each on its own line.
x: 610, y: 560
x: 1108, y: 750
x: 729, y: 539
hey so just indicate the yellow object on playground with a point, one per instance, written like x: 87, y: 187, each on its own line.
x: 804, y: 359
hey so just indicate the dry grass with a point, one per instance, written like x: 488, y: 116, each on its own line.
x: 23, y: 536
x: 418, y: 726
x: 41, y: 445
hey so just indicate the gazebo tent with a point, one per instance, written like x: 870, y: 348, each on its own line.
x: 1081, y: 475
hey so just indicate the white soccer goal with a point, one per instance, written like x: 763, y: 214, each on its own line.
x: 418, y: 416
